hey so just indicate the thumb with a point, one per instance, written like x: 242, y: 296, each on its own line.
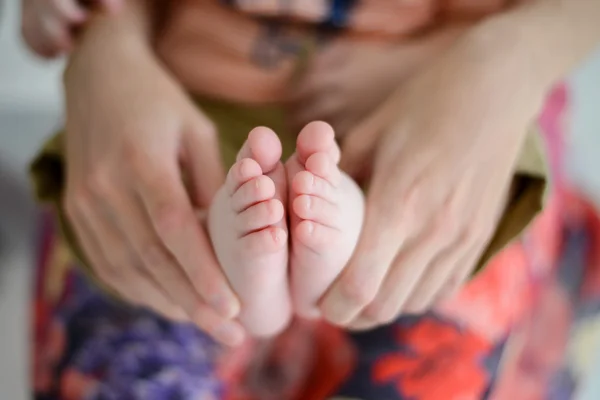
x: 203, y: 168
x: 359, y: 145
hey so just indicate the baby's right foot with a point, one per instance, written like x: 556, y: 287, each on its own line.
x: 247, y: 226
x: 326, y: 215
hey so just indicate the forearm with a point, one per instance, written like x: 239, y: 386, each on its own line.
x: 553, y: 36
x: 131, y: 30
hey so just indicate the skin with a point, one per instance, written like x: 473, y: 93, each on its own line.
x: 247, y: 227
x: 442, y: 164
x: 431, y: 207
x: 131, y: 135
x: 48, y: 26
x: 249, y: 230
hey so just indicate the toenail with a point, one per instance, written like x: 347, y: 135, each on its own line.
x: 308, y: 202
x: 244, y: 168
x: 310, y: 228
x: 312, y: 180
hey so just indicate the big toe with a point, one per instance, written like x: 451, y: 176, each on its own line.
x: 317, y: 137
x: 264, y: 147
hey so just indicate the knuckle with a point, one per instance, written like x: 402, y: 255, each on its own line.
x: 379, y: 313
x: 107, y: 274
x: 475, y: 234
x: 99, y: 182
x: 74, y: 199
x: 356, y: 291
x: 169, y: 219
x: 154, y: 256
x: 206, y: 287
x: 135, y: 159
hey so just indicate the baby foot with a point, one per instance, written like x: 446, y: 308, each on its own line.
x: 326, y: 215
x: 249, y: 234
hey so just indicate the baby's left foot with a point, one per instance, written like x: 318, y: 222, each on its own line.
x: 326, y: 215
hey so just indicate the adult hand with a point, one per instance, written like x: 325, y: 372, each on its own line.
x: 48, y: 25
x: 445, y: 145
x: 131, y: 131
x: 346, y: 80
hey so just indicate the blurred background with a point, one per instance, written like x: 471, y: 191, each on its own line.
x: 30, y: 109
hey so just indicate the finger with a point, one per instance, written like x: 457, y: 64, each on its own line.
x: 361, y: 323
x: 68, y: 11
x: 56, y: 33
x: 379, y: 242
x: 406, y: 271
x: 464, y: 269
x: 203, y: 162
x: 435, y: 277
x: 33, y: 37
x: 46, y: 36
x: 138, y: 290
x: 159, y: 283
x: 133, y: 282
x: 177, y: 227
x: 135, y: 232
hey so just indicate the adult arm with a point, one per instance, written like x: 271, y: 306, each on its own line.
x: 446, y: 145
x: 132, y: 138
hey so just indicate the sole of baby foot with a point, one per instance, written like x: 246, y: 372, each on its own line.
x: 248, y: 229
x: 326, y: 216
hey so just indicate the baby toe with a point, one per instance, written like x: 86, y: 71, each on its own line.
x: 316, y: 209
x: 322, y: 166
x: 306, y: 182
x: 240, y: 173
x: 259, y: 216
x: 269, y: 240
x: 254, y: 191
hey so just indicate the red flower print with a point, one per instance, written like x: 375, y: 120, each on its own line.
x: 440, y: 363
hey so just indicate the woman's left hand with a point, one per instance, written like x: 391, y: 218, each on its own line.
x: 443, y: 149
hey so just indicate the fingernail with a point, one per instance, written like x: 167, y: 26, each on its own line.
x: 334, y: 310
x: 230, y: 334
x: 226, y: 306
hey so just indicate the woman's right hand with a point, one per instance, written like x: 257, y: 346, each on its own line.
x: 131, y: 131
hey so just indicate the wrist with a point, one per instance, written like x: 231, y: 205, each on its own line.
x: 103, y: 48
x: 550, y: 36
